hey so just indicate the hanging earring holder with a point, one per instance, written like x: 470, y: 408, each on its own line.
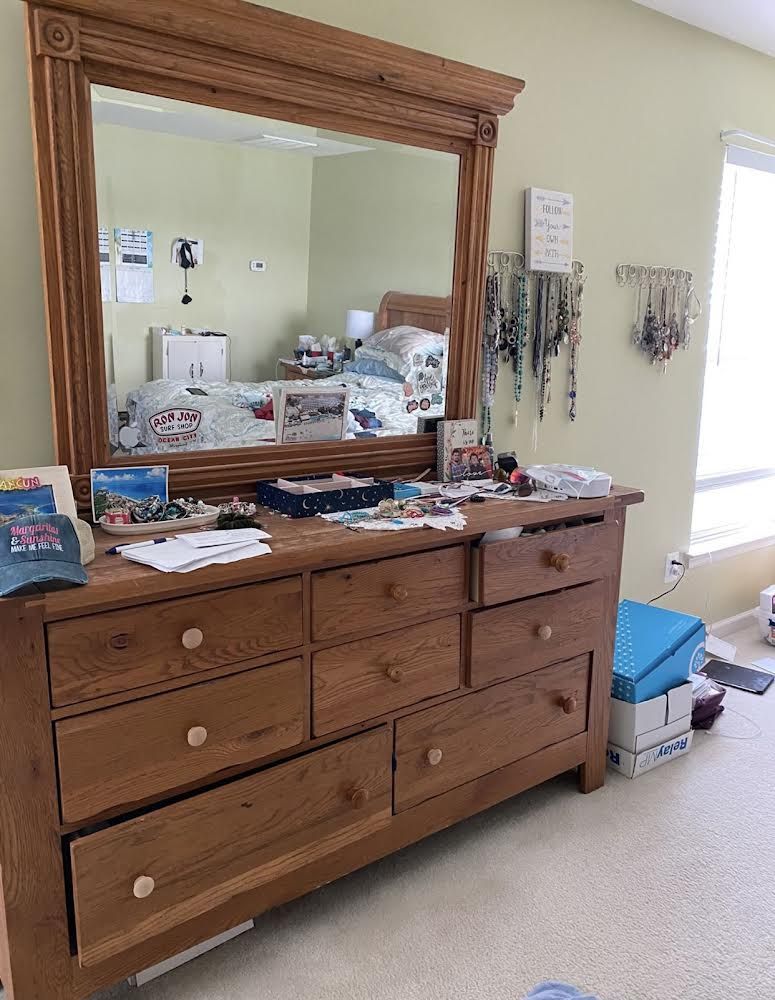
x: 666, y: 307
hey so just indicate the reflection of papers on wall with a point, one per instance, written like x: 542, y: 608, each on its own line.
x: 103, y: 244
x: 134, y: 265
x: 35, y: 491
x: 311, y: 414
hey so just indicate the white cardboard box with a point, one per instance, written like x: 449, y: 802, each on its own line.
x: 633, y: 765
x: 646, y: 724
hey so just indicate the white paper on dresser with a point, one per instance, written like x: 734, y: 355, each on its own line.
x: 178, y: 557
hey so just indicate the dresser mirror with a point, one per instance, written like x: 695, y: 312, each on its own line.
x: 249, y: 270
x: 327, y: 187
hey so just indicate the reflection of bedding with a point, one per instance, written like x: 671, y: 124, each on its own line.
x: 169, y: 418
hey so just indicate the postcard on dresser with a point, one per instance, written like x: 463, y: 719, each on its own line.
x: 311, y: 414
x: 44, y: 490
x: 453, y: 439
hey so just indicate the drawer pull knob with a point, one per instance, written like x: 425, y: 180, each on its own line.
x: 545, y: 632
x: 395, y: 674
x: 561, y: 562
x: 120, y: 641
x: 434, y: 756
x: 359, y: 797
x: 399, y: 592
x: 569, y: 705
x: 192, y: 638
x: 196, y: 736
x: 143, y: 887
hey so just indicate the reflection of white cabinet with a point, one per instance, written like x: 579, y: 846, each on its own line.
x: 190, y: 358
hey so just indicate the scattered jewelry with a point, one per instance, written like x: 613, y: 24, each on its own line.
x: 666, y: 308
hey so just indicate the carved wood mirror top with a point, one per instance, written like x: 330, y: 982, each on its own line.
x: 296, y: 76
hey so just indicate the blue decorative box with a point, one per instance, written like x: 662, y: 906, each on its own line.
x: 655, y: 650
x: 307, y: 496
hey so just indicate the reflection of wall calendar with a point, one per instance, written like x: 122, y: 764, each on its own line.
x: 548, y: 231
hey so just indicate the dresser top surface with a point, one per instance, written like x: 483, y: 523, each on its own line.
x: 297, y: 545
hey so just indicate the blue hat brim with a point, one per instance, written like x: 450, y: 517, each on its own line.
x: 16, y: 577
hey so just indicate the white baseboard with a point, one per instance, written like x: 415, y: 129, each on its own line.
x: 186, y: 956
x: 729, y: 625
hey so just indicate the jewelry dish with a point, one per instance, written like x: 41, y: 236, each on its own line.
x: 153, y: 527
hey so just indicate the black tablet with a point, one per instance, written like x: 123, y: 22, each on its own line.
x: 730, y: 674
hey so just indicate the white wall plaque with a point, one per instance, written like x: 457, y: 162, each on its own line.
x: 548, y: 230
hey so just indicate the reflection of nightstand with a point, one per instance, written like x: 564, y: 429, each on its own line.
x: 294, y: 373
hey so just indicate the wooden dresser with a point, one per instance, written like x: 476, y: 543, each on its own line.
x: 180, y: 752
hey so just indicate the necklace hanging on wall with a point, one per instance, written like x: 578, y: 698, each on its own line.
x: 521, y: 303
x: 666, y: 307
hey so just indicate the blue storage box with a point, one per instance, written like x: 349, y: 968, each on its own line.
x: 655, y: 650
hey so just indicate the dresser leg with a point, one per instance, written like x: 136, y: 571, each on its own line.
x: 35, y: 960
x: 591, y: 776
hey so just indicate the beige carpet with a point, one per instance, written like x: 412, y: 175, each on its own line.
x: 661, y: 888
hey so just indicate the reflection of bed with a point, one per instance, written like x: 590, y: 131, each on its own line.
x: 170, y: 418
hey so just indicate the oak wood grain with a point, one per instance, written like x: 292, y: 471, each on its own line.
x: 534, y: 563
x: 592, y: 773
x: 296, y: 546
x: 34, y: 942
x: 404, y: 829
x: 487, y: 729
x: 205, y: 850
x: 388, y: 591
x: 254, y: 60
x: 514, y: 639
x: 123, y: 755
x: 361, y: 680
x: 120, y: 650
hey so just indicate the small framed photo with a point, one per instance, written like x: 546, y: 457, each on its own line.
x: 45, y: 490
x: 311, y: 414
x: 111, y: 487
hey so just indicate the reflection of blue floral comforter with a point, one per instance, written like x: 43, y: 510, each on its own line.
x: 226, y: 418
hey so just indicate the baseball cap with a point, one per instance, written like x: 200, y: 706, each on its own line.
x: 38, y: 548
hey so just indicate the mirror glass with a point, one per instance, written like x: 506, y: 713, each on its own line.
x: 267, y: 282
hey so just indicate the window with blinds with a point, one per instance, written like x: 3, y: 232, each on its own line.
x: 735, y: 490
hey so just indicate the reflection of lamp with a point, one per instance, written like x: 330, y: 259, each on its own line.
x: 359, y: 324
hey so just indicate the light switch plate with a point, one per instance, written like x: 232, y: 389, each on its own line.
x: 258, y: 265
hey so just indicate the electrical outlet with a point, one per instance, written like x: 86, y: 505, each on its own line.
x: 672, y: 572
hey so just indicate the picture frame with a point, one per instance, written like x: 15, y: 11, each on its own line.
x: 315, y: 414
x: 42, y: 490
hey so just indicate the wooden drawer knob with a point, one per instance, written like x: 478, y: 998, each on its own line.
x: 192, y: 638
x: 545, y: 632
x: 399, y: 592
x: 359, y: 797
x: 560, y: 561
x: 196, y: 736
x: 569, y: 705
x: 395, y: 674
x: 144, y: 886
x: 434, y: 756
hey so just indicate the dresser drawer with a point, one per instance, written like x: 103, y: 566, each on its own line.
x: 361, y: 680
x: 119, y: 756
x: 385, y: 593
x: 517, y: 638
x: 446, y: 746
x: 140, y: 878
x: 534, y: 564
x: 121, y: 650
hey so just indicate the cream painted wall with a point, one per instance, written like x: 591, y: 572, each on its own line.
x: 626, y: 115
x: 244, y: 204
x: 380, y: 220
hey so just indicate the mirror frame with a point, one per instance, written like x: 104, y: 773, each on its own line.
x: 234, y: 55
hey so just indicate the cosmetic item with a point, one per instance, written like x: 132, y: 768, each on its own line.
x: 135, y: 545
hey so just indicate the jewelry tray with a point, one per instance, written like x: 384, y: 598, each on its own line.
x: 306, y: 496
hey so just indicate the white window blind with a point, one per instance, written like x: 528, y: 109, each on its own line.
x: 735, y: 490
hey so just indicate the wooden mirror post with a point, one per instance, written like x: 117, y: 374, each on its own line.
x: 234, y: 55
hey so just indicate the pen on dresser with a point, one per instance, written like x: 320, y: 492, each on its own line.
x: 135, y: 545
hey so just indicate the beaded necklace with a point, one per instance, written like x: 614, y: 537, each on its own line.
x: 493, y: 318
